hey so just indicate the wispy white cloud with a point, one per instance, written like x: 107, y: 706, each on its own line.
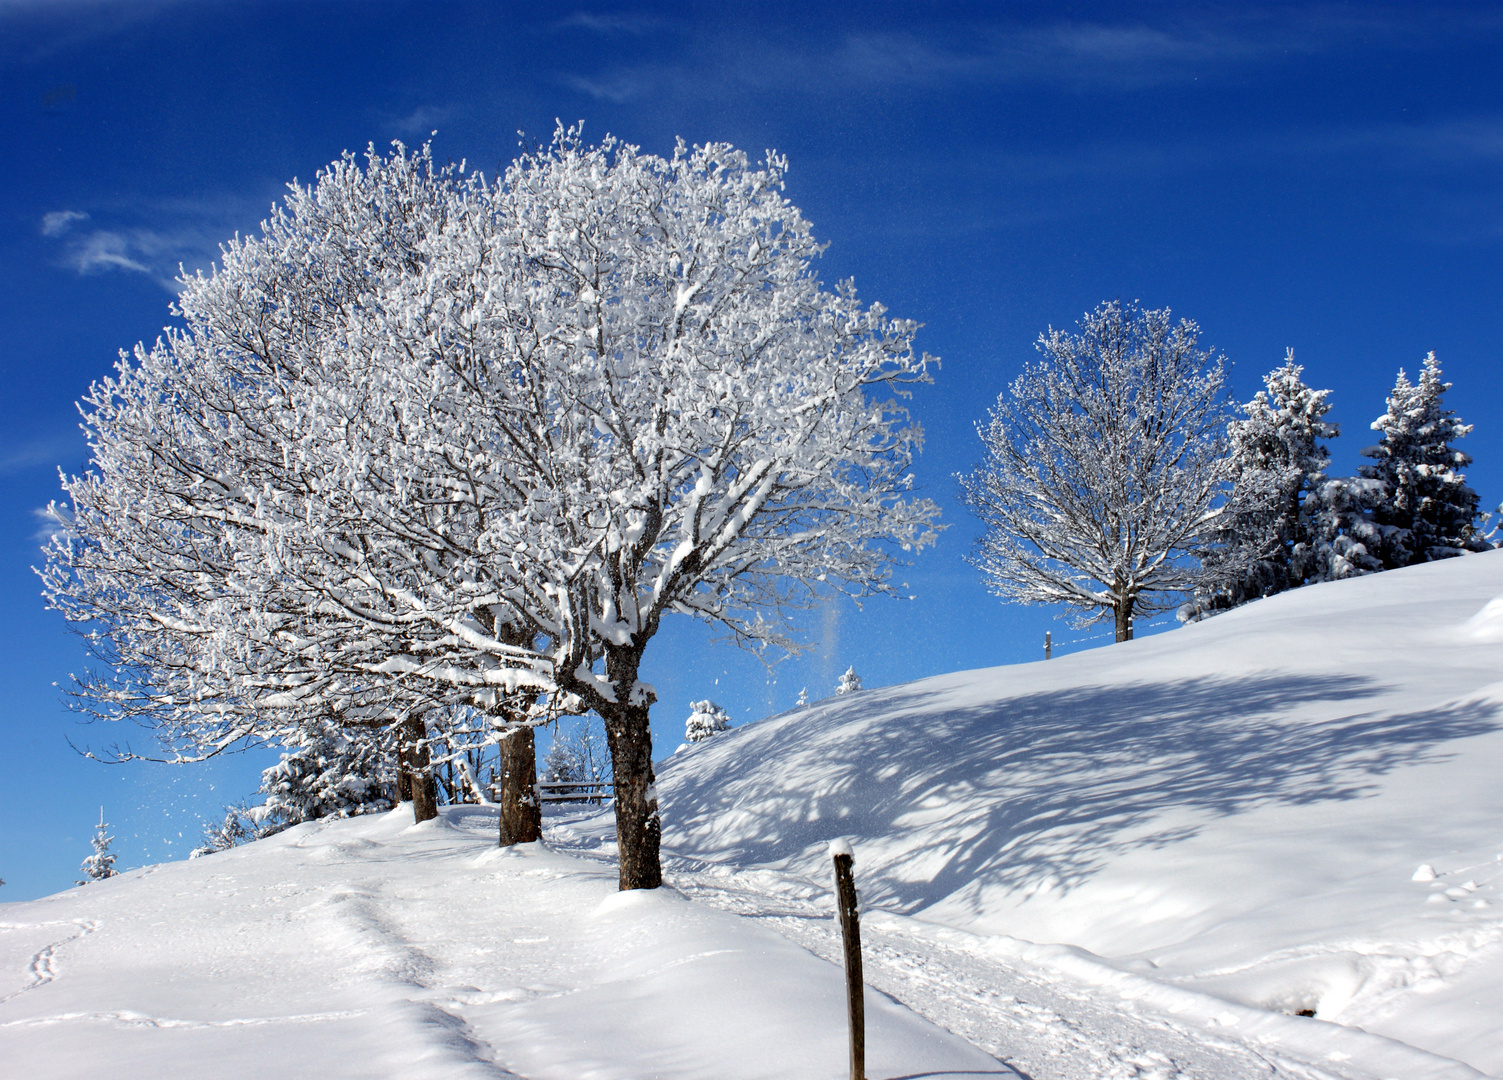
x: 60, y: 221
x: 1125, y: 54
x: 153, y: 238
x: 49, y: 452
x: 613, y: 23
x: 422, y: 121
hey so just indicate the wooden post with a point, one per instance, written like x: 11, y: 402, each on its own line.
x: 1048, y: 646
x: 850, y: 932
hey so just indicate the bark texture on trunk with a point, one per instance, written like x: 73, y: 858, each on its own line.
x: 1124, y: 620
x: 414, y: 754
x: 521, y: 812
x: 638, y: 827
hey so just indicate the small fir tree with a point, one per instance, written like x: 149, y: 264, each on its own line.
x: 101, y: 864
x: 1427, y: 511
x: 706, y: 720
x: 803, y: 696
x: 849, y: 683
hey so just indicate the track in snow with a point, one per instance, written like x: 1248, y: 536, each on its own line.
x: 1040, y: 1026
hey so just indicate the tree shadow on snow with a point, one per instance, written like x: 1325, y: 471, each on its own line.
x: 1042, y: 788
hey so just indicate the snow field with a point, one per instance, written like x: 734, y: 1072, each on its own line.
x: 373, y: 947
x: 1236, y: 808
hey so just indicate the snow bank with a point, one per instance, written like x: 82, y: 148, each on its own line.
x: 1237, y: 807
x: 372, y: 948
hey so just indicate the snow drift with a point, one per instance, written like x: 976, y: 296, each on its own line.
x: 1237, y: 807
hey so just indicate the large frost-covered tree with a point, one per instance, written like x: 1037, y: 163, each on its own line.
x: 1105, y: 468
x: 245, y: 565
x: 1427, y: 511
x: 637, y: 365
x: 430, y: 442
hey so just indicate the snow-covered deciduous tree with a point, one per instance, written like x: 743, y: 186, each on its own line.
x: 429, y: 442
x: 1105, y: 468
x: 669, y: 413
x: 101, y: 864
x: 1427, y: 511
x: 578, y: 755
x: 241, y: 555
x: 849, y: 682
x: 706, y: 720
x: 1268, y: 535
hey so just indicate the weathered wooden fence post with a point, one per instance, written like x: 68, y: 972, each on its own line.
x: 850, y: 932
x: 1048, y: 646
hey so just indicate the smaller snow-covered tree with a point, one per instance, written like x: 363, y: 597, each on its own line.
x: 337, y: 772
x: 849, y: 683
x: 1105, y: 468
x: 706, y: 720
x: 564, y: 763
x: 1277, y: 458
x: 101, y: 864
x: 581, y: 756
x: 1428, y: 512
x: 803, y: 697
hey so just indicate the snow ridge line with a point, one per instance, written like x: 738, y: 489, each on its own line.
x: 43, y: 965
x: 141, y: 1020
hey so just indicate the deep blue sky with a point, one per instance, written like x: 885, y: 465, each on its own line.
x: 1321, y: 177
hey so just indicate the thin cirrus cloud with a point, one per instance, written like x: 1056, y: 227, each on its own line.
x: 191, y: 241
x: 1075, y: 55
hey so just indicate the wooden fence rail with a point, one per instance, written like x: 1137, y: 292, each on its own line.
x: 590, y: 791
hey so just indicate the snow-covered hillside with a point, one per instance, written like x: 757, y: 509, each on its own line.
x: 1242, y: 807
x: 1137, y: 862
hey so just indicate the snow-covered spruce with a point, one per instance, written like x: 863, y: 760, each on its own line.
x: 1268, y: 537
x: 100, y: 864
x: 1105, y: 468
x: 706, y: 720
x: 335, y: 772
x: 1427, y: 511
x: 849, y: 682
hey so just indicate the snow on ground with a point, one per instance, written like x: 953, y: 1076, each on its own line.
x: 1138, y: 862
x: 375, y: 948
x: 1223, y: 823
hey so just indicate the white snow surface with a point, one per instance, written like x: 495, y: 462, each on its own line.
x: 1137, y: 862
x: 1220, y: 824
x: 373, y: 947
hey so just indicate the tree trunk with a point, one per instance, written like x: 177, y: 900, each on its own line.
x: 521, y: 812
x: 414, y: 753
x: 404, y: 776
x: 1124, y: 619
x: 638, y: 826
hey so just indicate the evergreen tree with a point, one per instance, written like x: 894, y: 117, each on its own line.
x: 849, y: 683
x: 803, y: 697
x: 1427, y: 510
x: 706, y: 720
x: 1343, y: 535
x: 101, y: 864
x: 337, y: 772
x: 1278, y: 458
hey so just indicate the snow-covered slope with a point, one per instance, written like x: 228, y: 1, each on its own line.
x: 376, y: 948
x: 1240, y: 807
